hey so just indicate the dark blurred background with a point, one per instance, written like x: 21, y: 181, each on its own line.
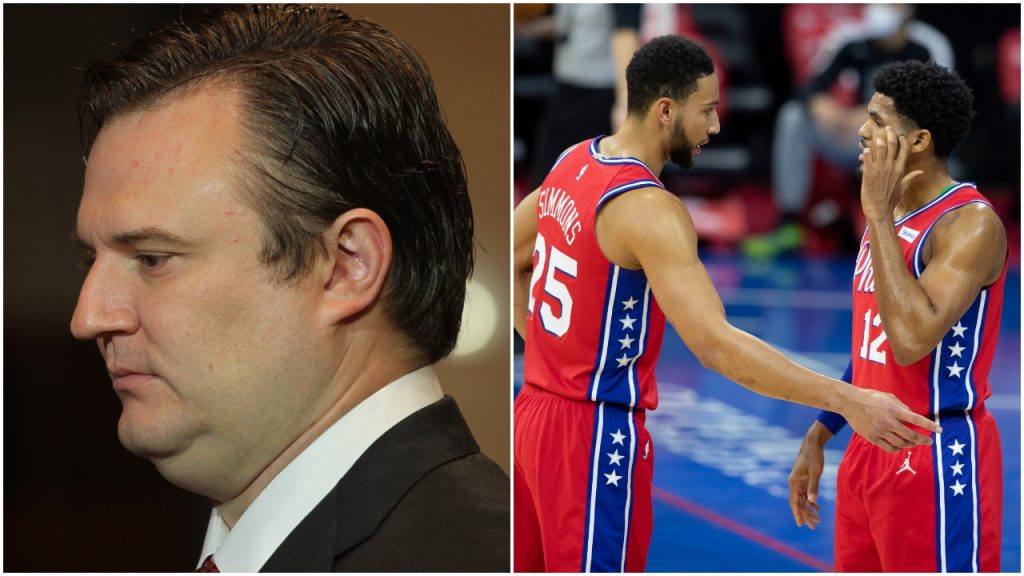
x: 766, y: 55
x: 74, y: 499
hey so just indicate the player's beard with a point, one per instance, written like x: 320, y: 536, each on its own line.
x: 680, y: 151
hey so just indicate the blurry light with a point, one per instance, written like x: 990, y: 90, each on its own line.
x: 479, y: 320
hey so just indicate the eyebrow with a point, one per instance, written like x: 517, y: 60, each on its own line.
x: 874, y: 116
x: 138, y: 236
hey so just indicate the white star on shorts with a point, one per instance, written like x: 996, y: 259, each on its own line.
x: 957, y: 448
x: 618, y: 437
x: 958, y: 488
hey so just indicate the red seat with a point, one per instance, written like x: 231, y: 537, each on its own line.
x: 805, y: 27
x: 1008, y: 66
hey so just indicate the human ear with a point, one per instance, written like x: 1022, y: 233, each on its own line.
x: 919, y: 140
x: 358, y: 260
x: 664, y: 108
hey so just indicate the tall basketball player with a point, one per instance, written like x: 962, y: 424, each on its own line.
x: 602, y: 249
x: 927, y: 298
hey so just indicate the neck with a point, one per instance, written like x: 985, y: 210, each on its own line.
x: 635, y: 138
x: 365, y: 365
x: 924, y: 188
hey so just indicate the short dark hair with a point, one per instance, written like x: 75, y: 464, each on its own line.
x: 930, y: 96
x: 341, y: 114
x: 668, y: 66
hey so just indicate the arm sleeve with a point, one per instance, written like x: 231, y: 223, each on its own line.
x: 834, y: 422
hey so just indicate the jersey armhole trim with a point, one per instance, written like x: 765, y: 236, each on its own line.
x: 945, y: 193
x: 918, y: 265
x: 635, y: 184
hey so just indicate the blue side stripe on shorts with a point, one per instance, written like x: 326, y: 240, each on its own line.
x: 609, y: 490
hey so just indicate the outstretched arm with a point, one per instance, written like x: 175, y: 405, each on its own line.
x: 966, y: 251
x: 665, y: 247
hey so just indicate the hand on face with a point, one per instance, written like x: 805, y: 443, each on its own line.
x: 884, y: 178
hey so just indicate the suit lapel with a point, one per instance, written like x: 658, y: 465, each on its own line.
x: 357, y: 505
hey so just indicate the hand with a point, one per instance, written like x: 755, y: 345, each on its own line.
x: 885, y: 181
x: 803, y: 480
x: 880, y: 417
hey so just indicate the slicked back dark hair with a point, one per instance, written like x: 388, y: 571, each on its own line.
x: 339, y: 113
x: 668, y: 66
x: 931, y: 97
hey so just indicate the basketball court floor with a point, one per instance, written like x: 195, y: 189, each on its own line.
x: 723, y: 454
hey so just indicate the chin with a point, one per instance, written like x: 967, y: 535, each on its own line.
x: 151, y: 435
x: 171, y: 450
x: 684, y: 161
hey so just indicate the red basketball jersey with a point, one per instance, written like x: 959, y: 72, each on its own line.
x: 594, y: 330
x: 954, y: 376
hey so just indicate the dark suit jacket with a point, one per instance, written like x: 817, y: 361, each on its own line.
x: 422, y: 498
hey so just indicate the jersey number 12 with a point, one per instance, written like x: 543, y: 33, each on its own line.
x: 873, y: 353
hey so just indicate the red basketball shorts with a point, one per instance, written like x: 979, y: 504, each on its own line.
x: 926, y: 509
x: 582, y: 482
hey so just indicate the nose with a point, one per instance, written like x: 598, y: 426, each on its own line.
x: 715, y: 125
x: 864, y: 131
x: 104, y: 306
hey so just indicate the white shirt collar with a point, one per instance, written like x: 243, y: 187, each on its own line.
x: 304, y: 482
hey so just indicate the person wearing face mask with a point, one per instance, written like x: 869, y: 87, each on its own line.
x: 818, y: 122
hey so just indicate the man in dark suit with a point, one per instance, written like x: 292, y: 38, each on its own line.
x: 279, y: 237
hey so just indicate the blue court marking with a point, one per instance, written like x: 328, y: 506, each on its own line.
x: 729, y: 451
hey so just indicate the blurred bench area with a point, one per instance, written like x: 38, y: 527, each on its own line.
x: 795, y: 79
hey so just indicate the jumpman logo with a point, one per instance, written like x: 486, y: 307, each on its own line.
x: 906, y: 465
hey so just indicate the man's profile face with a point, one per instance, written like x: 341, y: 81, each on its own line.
x: 696, y: 123
x: 217, y: 365
x: 882, y: 114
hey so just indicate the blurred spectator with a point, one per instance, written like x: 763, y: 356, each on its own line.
x: 625, y: 41
x: 585, y: 75
x: 824, y: 120
x: 724, y: 32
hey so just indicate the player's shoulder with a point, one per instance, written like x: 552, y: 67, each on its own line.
x: 970, y: 217
x: 643, y: 211
x: 974, y: 232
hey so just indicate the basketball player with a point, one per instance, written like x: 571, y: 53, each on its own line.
x: 927, y: 298
x: 601, y: 250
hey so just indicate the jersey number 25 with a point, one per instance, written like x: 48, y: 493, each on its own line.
x: 553, y: 262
